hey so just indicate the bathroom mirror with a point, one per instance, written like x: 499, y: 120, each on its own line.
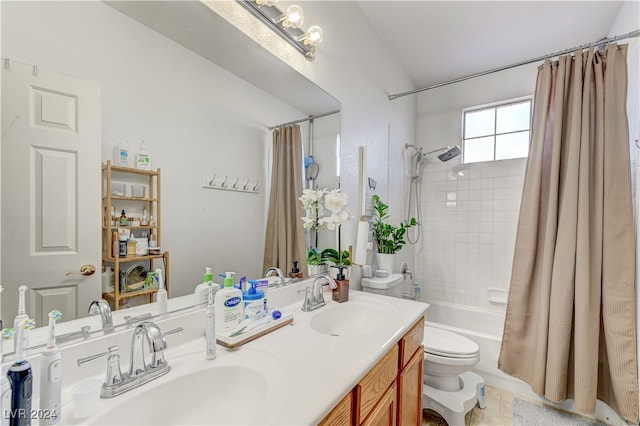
x: 142, y: 53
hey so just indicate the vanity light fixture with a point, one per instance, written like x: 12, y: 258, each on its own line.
x: 286, y: 24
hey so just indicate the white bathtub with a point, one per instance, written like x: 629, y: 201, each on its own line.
x: 485, y: 328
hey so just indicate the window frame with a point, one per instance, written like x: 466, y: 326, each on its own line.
x: 495, y: 105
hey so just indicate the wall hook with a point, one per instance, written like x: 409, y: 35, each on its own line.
x: 224, y: 183
x: 235, y: 185
x: 212, y: 182
x: 246, y: 185
x: 255, y: 187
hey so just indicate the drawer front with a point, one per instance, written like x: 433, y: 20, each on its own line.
x: 373, y: 386
x: 341, y: 414
x: 411, y: 341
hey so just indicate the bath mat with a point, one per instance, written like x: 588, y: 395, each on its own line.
x: 528, y: 414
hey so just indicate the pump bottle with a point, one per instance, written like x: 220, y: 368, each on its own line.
x: 229, y: 309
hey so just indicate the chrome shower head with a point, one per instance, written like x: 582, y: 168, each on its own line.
x: 450, y: 153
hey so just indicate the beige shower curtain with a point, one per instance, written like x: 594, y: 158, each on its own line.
x: 570, y: 328
x: 285, y: 234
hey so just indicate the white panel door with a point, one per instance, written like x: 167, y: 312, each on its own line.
x: 50, y: 191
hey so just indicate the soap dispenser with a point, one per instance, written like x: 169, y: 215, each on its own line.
x: 341, y: 292
x: 143, y: 159
x: 295, y: 273
x: 229, y: 309
x: 202, y: 290
x: 253, y: 302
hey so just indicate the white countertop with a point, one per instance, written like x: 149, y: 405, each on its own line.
x: 315, y: 371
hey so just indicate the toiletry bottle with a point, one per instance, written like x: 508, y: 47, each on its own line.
x: 201, y: 293
x: 228, y: 305
x: 210, y: 322
x: 122, y: 244
x: 21, y: 382
x: 22, y: 317
x: 263, y: 286
x: 51, y: 376
x: 253, y: 302
x: 295, y: 271
x: 121, y: 155
x: 143, y: 159
x: 161, y: 295
x: 123, y: 221
x: 341, y: 293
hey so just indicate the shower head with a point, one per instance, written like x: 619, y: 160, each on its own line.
x: 450, y: 153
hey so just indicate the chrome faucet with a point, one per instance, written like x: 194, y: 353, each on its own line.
x: 313, y: 298
x: 269, y: 272
x: 102, y: 307
x: 140, y: 372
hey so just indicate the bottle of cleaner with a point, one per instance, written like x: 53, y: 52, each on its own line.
x: 21, y: 382
x: 253, y: 302
x: 201, y: 292
x: 51, y: 376
x: 161, y: 295
x: 143, y: 159
x: 210, y: 323
x: 121, y: 155
x: 22, y: 317
x: 228, y: 305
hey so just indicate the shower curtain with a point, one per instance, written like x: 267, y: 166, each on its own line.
x: 285, y: 236
x: 570, y: 328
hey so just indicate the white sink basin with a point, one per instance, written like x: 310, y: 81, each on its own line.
x: 350, y: 318
x: 229, y: 391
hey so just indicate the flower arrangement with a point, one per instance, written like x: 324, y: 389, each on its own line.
x: 325, y: 209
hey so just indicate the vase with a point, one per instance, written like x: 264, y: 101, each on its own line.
x: 385, y: 262
x: 317, y: 269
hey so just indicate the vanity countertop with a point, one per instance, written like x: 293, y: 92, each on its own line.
x: 307, y: 371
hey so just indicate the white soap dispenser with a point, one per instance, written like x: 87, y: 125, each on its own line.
x: 229, y: 309
x: 143, y: 159
x: 201, y: 292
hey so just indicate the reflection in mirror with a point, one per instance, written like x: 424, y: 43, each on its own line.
x: 181, y: 78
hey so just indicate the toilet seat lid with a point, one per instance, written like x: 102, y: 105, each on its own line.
x: 446, y: 343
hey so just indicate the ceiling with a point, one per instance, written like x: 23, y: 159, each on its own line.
x: 437, y: 41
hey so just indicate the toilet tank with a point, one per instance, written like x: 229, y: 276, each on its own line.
x: 388, y: 286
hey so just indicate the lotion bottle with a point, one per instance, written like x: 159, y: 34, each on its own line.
x: 201, y: 292
x: 228, y: 305
x: 143, y: 159
x: 51, y: 376
x: 161, y: 296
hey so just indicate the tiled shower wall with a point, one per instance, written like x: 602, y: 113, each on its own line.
x: 469, y: 217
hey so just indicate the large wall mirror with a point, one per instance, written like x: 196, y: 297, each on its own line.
x: 201, y: 95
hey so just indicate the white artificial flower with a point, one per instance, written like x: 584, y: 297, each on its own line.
x: 335, y: 200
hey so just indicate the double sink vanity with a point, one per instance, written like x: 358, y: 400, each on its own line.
x: 358, y: 362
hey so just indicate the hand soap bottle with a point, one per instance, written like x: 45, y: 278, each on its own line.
x: 229, y: 307
x: 341, y: 293
x: 295, y: 271
x: 253, y: 302
x: 202, y: 290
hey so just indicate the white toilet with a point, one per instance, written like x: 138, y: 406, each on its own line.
x: 450, y: 388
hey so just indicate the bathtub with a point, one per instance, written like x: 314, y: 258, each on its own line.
x: 485, y: 328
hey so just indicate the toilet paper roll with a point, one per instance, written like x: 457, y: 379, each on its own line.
x: 362, y: 240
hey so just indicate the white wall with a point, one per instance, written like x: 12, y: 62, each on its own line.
x: 195, y: 117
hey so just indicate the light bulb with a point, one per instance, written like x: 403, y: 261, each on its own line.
x: 314, y: 35
x: 293, y: 17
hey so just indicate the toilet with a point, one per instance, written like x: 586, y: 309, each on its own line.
x: 450, y: 388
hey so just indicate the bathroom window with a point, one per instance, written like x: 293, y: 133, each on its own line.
x: 497, y: 131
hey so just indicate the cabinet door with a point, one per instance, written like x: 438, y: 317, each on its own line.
x: 384, y: 413
x: 341, y: 415
x: 410, y: 391
x: 371, y: 388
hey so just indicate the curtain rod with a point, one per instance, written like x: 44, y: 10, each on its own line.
x: 602, y: 41
x: 309, y: 118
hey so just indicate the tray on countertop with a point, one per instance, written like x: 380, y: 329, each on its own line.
x: 241, y: 338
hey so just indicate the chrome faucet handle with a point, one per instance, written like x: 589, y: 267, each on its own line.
x: 308, y: 303
x: 114, y: 374
x: 157, y: 360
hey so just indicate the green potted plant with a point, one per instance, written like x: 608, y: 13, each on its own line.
x: 316, y: 263
x: 389, y: 239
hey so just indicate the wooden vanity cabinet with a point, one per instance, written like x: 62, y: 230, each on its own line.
x: 391, y: 392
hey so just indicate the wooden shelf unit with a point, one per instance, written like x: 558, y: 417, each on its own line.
x: 152, y: 202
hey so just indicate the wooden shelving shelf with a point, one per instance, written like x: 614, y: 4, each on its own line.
x: 111, y: 227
